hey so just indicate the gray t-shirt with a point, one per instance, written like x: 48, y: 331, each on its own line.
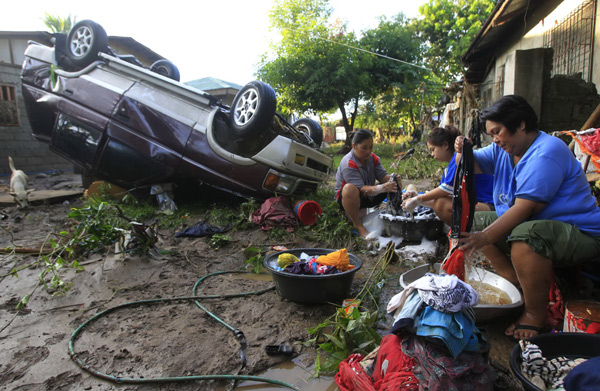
x: 352, y: 171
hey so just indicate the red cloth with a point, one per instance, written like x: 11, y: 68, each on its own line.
x: 393, y: 370
x: 556, y: 307
x: 351, y: 377
x: 455, y: 264
x: 275, y: 212
x: 589, y: 144
x: 591, y: 141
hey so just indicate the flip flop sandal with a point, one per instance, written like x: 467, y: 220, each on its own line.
x: 283, y: 349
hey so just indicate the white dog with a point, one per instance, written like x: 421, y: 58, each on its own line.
x: 18, y: 185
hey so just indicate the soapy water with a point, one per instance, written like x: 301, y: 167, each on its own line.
x: 374, y: 224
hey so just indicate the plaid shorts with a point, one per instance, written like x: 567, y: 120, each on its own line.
x: 561, y: 242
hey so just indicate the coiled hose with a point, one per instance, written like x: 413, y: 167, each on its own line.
x: 132, y: 380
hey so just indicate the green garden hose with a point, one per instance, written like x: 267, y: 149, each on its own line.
x: 239, y: 335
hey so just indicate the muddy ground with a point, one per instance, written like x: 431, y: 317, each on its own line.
x: 166, y: 339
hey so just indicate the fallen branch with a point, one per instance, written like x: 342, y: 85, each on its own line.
x: 25, y: 250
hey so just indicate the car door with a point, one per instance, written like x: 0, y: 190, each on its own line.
x: 147, y: 135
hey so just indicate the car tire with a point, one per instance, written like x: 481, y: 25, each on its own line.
x: 84, y: 41
x: 310, y: 127
x: 253, y: 109
x: 166, y: 68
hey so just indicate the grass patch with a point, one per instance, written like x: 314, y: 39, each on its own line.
x: 417, y: 165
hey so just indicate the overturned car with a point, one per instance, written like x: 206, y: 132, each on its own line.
x: 135, y: 126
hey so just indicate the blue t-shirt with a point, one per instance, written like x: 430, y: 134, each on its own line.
x: 483, y: 182
x: 548, y: 173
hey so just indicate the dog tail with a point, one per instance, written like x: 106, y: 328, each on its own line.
x: 11, y: 164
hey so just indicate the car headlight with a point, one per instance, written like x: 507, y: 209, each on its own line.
x: 279, y: 183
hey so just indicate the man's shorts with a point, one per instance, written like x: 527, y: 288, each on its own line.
x: 561, y: 242
x: 365, y: 202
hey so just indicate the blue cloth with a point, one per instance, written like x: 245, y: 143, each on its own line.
x: 483, y: 183
x: 455, y: 330
x: 584, y: 377
x: 409, y: 312
x: 548, y: 173
x: 484, y: 187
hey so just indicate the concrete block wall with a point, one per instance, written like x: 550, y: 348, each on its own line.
x: 567, y: 103
x: 29, y: 154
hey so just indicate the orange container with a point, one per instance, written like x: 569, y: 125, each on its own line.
x: 308, y: 212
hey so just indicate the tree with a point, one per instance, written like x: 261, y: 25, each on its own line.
x: 398, y: 76
x: 448, y: 28
x: 56, y: 24
x: 313, y: 68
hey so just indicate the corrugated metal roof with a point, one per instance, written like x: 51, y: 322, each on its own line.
x: 44, y: 37
x: 135, y: 47
x: 509, y: 22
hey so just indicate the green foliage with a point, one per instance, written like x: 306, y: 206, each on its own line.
x: 98, y: 226
x: 56, y: 24
x: 254, y: 258
x: 344, y: 335
x: 448, y: 28
x: 332, y: 228
x: 312, y: 68
x: 351, y: 330
x: 418, y: 165
x: 219, y: 240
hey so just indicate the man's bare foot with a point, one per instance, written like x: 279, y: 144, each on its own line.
x: 527, y: 326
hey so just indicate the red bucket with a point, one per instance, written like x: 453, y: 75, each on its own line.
x: 308, y: 212
x: 582, y: 316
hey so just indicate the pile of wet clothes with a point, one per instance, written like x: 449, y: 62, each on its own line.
x: 332, y: 263
x: 433, y: 343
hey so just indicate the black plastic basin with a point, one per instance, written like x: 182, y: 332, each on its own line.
x: 312, y: 289
x: 571, y: 345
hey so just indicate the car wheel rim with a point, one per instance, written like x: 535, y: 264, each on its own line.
x: 82, y: 41
x: 246, y: 107
x: 162, y: 71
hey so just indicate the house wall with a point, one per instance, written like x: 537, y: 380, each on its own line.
x: 562, y: 102
x: 28, y: 154
x: 535, y: 39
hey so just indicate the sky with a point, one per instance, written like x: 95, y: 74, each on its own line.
x: 223, y: 39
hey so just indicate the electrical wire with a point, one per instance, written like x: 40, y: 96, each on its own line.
x: 75, y: 356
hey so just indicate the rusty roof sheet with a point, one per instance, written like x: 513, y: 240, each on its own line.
x: 510, y: 20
